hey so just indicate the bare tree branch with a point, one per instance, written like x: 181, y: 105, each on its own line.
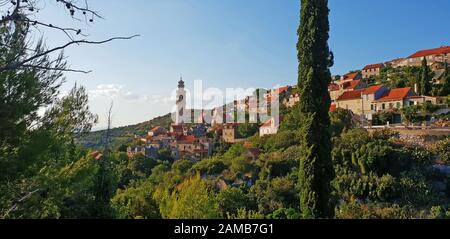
x: 55, y: 69
x: 15, y: 65
x: 23, y: 14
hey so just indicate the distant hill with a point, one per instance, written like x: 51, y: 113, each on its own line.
x: 123, y: 135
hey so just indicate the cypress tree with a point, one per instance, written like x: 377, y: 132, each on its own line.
x: 445, y: 90
x: 425, y: 81
x: 315, y: 59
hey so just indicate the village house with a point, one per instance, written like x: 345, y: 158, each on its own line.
x: 147, y: 151
x: 351, y: 100
x: 441, y: 54
x: 394, y: 99
x: 158, y: 130
x: 278, y: 91
x: 395, y: 63
x: 270, y: 127
x: 360, y: 101
x: 352, y: 76
x: 372, y: 70
x: 190, y: 147
x: 370, y: 95
x: 353, y: 85
x: 418, y: 100
x: 337, y: 89
x: 178, y: 129
x: 374, y: 99
x: 230, y: 133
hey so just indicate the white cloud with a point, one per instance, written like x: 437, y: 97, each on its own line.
x: 113, y: 91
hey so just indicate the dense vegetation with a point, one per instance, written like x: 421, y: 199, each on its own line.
x: 46, y: 170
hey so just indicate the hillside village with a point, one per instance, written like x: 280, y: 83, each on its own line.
x: 372, y: 143
x: 358, y: 92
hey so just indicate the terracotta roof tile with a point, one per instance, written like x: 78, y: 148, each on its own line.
x: 351, y: 85
x: 351, y: 76
x: 373, y: 66
x: 396, y: 94
x: 267, y: 124
x: 350, y: 95
x: 282, y: 89
x: 333, y: 87
x: 188, y: 139
x: 372, y: 89
x: 435, y: 51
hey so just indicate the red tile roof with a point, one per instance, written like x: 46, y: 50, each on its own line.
x: 267, y: 124
x: 350, y: 95
x: 373, y: 66
x: 97, y: 155
x: 157, y: 128
x: 282, y: 89
x: 435, y: 51
x: 372, y: 89
x: 278, y: 91
x: 188, y: 139
x: 351, y: 76
x: 396, y: 94
x: 351, y: 85
x: 333, y: 87
x: 396, y: 60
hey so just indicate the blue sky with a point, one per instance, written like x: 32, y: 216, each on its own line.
x: 230, y: 44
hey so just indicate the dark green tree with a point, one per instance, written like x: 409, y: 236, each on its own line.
x: 425, y: 79
x: 445, y: 90
x: 315, y: 58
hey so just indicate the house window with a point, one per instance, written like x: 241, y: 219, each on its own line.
x: 398, y: 105
x: 391, y: 105
x: 372, y: 108
x: 383, y: 106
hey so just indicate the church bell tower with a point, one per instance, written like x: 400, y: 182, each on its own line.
x: 181, y: 103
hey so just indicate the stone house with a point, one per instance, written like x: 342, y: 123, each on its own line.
x: 441, y: 54
x: 270, y: 127
x: 147, y: 151
x: 394, y: 99
x: 351, y: 100
x: 190, y: 147
x: 230, y: 133
x: 372, y: 70
x: 338, y: 88
x: 370, y: 95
